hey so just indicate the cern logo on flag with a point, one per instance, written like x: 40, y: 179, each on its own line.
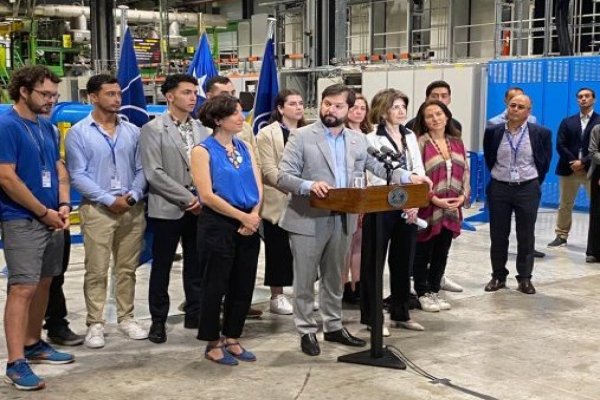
x: 133, y: 105
x: 260, y: 121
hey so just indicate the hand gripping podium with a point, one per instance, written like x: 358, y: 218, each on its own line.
x: 372, y: 201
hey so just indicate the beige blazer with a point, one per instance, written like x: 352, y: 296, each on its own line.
x: 247, y: 135
x: 269, y: 142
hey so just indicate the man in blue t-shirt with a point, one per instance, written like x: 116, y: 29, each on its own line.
x: 34, y: 210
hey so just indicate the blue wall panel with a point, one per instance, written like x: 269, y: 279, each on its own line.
x: 552, y: 85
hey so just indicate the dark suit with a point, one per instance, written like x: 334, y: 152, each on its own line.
x: 571, y: 145
x: 522, y: 199
x: 570, y: 141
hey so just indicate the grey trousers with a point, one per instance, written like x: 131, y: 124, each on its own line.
x: 321, y: 255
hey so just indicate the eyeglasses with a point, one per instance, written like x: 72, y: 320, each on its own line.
x: 397, y: 107
x: 518, y: 106
x: 47, y: 95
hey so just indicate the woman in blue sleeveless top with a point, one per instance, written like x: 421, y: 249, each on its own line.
x: 230, y: 190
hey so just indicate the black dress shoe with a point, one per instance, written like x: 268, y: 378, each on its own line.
x: 495, y: 284
x: 309, y: 344
x: 526, y: 286
x: 64, y: 336
x: 538, y: 254
x: 157, y: 333
x: 344, y: 337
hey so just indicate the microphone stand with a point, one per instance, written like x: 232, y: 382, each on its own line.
x: 373, y: 260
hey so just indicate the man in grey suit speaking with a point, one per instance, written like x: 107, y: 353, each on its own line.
x: 165, y: 145
x: 319, y: 157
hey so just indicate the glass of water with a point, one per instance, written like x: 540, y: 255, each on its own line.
x: 359, y: 180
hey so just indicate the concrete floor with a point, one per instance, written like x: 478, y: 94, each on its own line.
x: 503, y: 345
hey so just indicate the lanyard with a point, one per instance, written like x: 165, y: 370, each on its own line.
x: 38, y: 142
x: 112, y: 146
x: 515, y: 149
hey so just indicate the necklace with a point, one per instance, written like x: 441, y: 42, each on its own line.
x: 445, y: 156
x: 234, y: 156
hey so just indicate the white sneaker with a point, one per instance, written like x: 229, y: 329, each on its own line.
x: 442, y: 303
x: 130, y: 327
x: 385, y: 331
x: 281, y: 305
x: 450, y: 286
x: 429, y: 303
x: 94, y: 338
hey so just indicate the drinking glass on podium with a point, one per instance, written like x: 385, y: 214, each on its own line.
x: 359, y: 181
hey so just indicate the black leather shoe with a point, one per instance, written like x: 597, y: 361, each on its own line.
x: 344, y: 337
x: 526, y: 286
x: 309, y: 344
x: 495, y: 284
x: 64, y: 336
x: 157, y: 333
x: 538, y: 254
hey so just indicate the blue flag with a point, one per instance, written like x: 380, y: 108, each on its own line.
x: 202, y: 68
x: 133, y: 103
x: 267, y: 90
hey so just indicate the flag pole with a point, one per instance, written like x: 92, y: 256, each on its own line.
x: 123, y: 9
x: 270, y: 30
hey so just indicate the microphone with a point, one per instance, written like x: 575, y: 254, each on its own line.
x: 376, y: 153
x: 391, y: 153
x: 421, y: 223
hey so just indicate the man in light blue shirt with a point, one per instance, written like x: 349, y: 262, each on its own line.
x: 104, y: 162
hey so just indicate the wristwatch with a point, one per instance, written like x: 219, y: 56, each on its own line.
x: 131, y: 201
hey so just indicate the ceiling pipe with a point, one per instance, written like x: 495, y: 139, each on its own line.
x: 133, y: 16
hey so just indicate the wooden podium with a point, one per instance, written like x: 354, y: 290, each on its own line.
x: 372, y: 201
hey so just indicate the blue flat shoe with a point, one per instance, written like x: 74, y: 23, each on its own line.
x: 245, y: 355
x: 227, y: 358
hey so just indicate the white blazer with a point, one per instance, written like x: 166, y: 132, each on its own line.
x: 414, y: 160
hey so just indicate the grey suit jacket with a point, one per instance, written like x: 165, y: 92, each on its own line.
x: 307, y: 157
x: 167, y: 166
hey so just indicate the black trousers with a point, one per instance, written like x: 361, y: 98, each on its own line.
x: 229, y: 261
x: 167, y: 234
x: 279, y: 269
x: 431, y: 258
x: 56, y: 312
x: 593, y: 243
x: 401, y: 238
x: 524, y: 201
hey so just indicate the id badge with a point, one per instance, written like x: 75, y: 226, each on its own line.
x: 514, y: 175
x: 46, y: 179
x: 115, y: 182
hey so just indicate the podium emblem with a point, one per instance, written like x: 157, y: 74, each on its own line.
x: 397, y: 197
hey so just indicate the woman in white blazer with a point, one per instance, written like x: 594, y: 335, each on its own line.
x: 388, y: 114
x: 270, y: 140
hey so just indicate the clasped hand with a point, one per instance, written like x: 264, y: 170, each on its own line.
x: 250, y: 223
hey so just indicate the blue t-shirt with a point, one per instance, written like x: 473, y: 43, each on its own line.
x: 237, y: 186
x: 33, y: 149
